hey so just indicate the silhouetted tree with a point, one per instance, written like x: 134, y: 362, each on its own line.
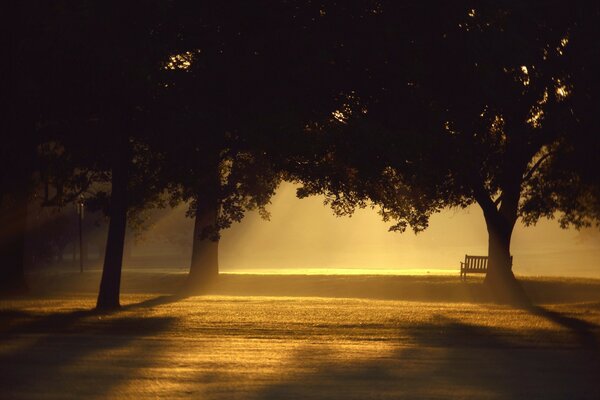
x: 98, y: 83
x: 455, y: 105
x: 230, y: 93
x: 122, y: 63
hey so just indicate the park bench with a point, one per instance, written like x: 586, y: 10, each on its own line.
x: 475, y: 265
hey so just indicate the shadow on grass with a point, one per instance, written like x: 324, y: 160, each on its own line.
x: 68, y: 353
x: 19, y: 321
x: 451, y: 359
x: 155, y: 301
x: 583, y: 330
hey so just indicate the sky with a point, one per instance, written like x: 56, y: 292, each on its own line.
x: 303, y: 236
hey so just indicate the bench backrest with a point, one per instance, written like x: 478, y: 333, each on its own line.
x: 476, y: 263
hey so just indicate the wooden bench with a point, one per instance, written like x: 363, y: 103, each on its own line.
x: 475, y: 265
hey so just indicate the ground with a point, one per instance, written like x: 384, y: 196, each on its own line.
x: 220, y: 346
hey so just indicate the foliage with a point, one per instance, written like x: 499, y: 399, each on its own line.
x: 473, y: 105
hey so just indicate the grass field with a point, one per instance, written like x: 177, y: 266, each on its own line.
x: 260, y: 344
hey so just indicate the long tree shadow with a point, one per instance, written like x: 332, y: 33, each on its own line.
x: 451, y: 359
x: 582, y: 329
x: 19, y: 321
x: 70, y: 353
x: 156, y: 301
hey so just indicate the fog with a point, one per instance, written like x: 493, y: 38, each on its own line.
x: 303, y: 236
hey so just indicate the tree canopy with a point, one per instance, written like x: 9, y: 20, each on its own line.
x: 474, y: 105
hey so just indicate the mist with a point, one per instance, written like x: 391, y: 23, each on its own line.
x: 304, y: 237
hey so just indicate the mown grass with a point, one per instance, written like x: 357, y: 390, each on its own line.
x: 265, y: 347
x: 299, y: 337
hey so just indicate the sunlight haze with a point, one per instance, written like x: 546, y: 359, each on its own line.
x: 303, y: 236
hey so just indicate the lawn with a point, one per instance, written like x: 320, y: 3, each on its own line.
x: 249, y: 346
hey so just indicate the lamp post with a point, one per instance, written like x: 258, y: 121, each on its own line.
x: 79, y: 206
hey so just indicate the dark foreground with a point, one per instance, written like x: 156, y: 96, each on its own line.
x: 263, y: 347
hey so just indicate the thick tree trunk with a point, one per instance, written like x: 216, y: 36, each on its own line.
x: 499, y: 264
x: 110, y: 285
x: 500, y: 279
x: 204, y: 267
x: 13, y: 214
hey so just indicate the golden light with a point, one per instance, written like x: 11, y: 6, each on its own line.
x: 535, y: 120
x: 339, y: 116
x: 449, y: 129
x: 304, y: 237
x: 351, y: 105
x: 498, y: 123
x: 561, y: 90
x: 537, y: 112
x: 563, y: 43
x: 525, y: 78
x: 182, y: 61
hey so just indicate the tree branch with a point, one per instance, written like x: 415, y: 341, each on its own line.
x: 535, y: 167
x: 484, y: 199
x: 498, y: 201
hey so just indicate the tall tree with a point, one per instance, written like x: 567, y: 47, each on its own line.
x: 101, y: 81
x: 459, y: 105
x: 232, y: 90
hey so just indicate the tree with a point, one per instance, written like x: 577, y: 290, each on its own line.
x: 461, y: 105
x: 111, y: 101
x: 230, y: 92
x: 123, y: 62
x: 99, y: 83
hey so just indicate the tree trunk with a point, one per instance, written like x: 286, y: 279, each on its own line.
x: 13, y: 214
x: 110, y: 285
x: 204, y: 268
x: 500, y: 279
